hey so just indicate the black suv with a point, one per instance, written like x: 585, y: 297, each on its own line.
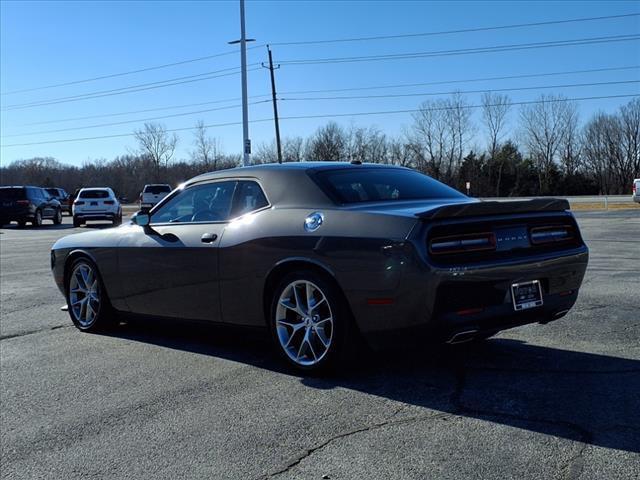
x: 62, y: 196
x: 28, y: 204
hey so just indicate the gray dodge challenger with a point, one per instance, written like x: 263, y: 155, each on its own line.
x: 319, y: 252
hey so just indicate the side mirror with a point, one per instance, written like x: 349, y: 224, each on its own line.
x: 141, y: 219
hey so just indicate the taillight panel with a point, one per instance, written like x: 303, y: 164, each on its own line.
x: 551, y: 234
x: 452, y: 244
x: 456, y: 242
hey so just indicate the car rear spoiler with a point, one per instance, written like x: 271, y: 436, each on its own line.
x: 477, y: 209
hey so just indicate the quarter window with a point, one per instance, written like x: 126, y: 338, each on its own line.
x: 209, y: 202
x: 249, y: 197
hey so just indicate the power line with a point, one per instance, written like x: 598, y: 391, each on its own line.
x: 128, y: 89
x: 445, y: 82
x: 425, y: 94
x: 449, y: 32
x: 466, y: 51
x: 121, y: 74
x: 139, y: 120
x: 147, y: 110
x: 326, y: 115
x: 298, y: 92
x: 324, y: 41
x: 356, y: 97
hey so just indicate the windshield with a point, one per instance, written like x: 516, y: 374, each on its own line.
x: 155, y: 189
x: 381, y: 184
x: 94, y: 194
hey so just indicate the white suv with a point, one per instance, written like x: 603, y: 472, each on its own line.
x: 152, y: 194
x: 636, y: 190
x: 96, y: 204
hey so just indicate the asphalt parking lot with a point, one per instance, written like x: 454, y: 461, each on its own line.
x: 168, y: 400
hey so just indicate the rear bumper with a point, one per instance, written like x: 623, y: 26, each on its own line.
x: 438, y: 303
x: 17, y: 214
x: 96, y: 216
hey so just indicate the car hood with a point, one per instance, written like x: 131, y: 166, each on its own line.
x: 107, y: 237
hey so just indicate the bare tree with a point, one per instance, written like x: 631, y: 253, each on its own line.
x: 328, y: 143
x: 629, y: 167
x: 544, y: 128
x: 495, y: 108
x: 571, y: 145
x: 155, y: 142
x: 293, y: 149
x: 207, y: 150
x: 441, y: 131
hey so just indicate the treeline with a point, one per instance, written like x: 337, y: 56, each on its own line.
x: 548, y: 151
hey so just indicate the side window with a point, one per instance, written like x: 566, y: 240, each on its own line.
x: 35, y: 194
x: 209, y: 202
x: 249, y: 197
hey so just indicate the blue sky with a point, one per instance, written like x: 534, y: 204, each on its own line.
x: 44, y: 43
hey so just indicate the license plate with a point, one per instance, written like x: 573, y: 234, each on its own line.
x: 94, y: 204
x: 526, y: 295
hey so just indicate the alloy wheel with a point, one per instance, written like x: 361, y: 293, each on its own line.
x: 304, y: 323
x: 84, y: 294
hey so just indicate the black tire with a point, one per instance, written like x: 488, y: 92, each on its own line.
x: 37, y: 219
x: 333, y: 355
x: 57, y: 218
x: 103, y: 314
x: 76, y: 222
x: 117, y: 220
x: 21, y: 223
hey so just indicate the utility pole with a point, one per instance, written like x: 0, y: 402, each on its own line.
x: 246, y: 142
x: 275, y: 103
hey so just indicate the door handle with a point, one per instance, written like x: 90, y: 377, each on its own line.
x: 208, y: 238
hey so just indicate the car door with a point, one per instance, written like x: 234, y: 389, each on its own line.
x: 170, y: 267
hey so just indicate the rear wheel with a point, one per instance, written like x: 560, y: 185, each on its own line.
x: 37, y: 220
x: 309, y: 321
x: 76, y: 222
x: 117, y: 220
x: 21, y: 223
x: 57, y: 218
x: 87, y: 300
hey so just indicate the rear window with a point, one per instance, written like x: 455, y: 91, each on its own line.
x: 156, y: 189
x: 381, y: 185
x: 53, y: 192
x: 12, y: 193
x: 94, y: 194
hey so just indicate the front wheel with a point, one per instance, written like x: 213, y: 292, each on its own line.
x: 86, y: 297
x: 309, y: 321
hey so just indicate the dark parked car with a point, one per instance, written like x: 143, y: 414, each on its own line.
x: 317, y: 251
x: 62, y: 196
x: 28, y: 204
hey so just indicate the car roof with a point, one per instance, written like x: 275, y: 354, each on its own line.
x: 288, y: 184
x: 252, y: 170
x: 85, y: 189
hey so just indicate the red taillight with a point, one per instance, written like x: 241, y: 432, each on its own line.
x: 109, y: 202
x: 551, y: 234
x: 473, y: 242
x: 22, y: 202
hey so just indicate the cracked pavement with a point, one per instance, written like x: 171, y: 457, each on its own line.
x: 168, y: 400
